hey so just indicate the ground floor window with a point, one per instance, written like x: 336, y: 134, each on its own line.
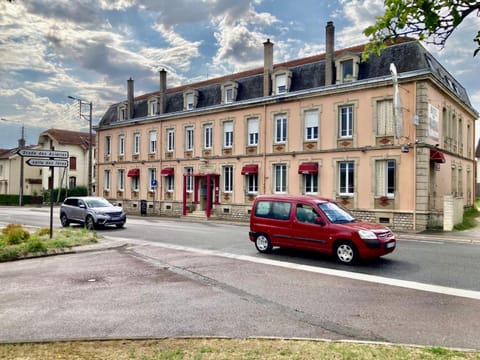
x: 228, y: 178
x: 280, y: 180
x: 346, y: 175
x: 169, y: 183
x: 310, y: 182
x: 252, y: 183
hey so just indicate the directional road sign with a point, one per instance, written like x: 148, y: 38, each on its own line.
x: 43, y: 153
x: 47, y: 162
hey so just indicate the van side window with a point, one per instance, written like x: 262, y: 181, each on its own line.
x: 306, y: 213
x: 279, y: 210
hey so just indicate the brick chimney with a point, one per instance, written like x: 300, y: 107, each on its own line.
x: 163, y: 90
x: 267, y: 67
x: 329, y: 51
x: 130, y: 98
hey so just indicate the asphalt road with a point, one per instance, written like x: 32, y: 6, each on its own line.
x: 172, y: 286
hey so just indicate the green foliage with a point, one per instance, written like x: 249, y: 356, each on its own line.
x: 15, y: 199
x: 470, y: 216
x: 76, y: 191
x: 35, y: 245
x: 43, y: 231
x: 429, y: 20
x: 15, y: 234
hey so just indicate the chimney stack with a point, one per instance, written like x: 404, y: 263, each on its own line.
x: 163, y: 90
x: 130, y: 98
x: 267, y: 67
x: 329, y: 51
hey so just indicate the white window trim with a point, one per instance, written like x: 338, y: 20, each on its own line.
x: 228, y: 134
x: 278, y: 117
x: 188, y: 139
x: 283, y: 73
x: 152, y: 142
x: 355, y: 67
x: 170, y: 143
x: 136, y: 143
x: 253, y: 129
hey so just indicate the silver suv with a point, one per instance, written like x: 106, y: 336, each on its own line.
x: 91, y: 211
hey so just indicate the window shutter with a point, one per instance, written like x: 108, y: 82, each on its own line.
x: 380, y: 169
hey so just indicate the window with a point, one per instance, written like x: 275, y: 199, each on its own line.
x: 310, y: 182
x: 136, y: 183
x: 122, y: 112
x: 190, y: 98
x: 228, y: 179
x: 279, y: 210
x: 108, y: 145
x: 136, y: 143
x: 73, y: 163
x: 153, y: 142
x: 189, y: 180
x: 152, y: 179
x: 121, y: 179
x: 345, y: 120
x: 72, y: 182
x: 228, y: 134
x: 280, y: 178
x: 170, y: 140
x: 280, y: 129
x: 189, y: 138
x: 169, y: 183
x: 252, y: 131
x: 121, y: 145
x: 152, y: 107
x: 347, y: 70
x: 228, y: 94
x: 385, y: 178
x: 189, y: 101
x: 229, y: 91
x: 252, y: 183
x: 346, y: 174
x: 385, y: 118
x: 106, y: 180
x: 280, y: 84
x: 311, y: 125
x: 207, y: 136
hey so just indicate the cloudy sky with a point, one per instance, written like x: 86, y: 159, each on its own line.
x: 52, y: 49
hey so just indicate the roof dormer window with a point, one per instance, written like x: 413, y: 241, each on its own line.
x: 229, y: 92
x: 190, y: 98
x: 281, y: 81
x: 347, y: 68
x: 122, y: 112
x: 152, y: 107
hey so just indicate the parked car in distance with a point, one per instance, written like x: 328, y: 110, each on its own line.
x: 318, y: 224
x: 91, y: 211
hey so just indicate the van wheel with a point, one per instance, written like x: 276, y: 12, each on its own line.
x: 263, y: 243
x: 89, y: 223
x: 346, y: 252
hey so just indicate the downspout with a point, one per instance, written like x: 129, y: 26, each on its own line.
x: 264, y: 147
x: 415, y: 160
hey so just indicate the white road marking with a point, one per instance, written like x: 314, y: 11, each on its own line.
x: 470, y: 294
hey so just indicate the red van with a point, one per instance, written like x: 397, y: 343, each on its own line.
x: 318, y: 224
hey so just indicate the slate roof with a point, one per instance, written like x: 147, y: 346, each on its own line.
x: 66, y: 137
x: 407, y: 54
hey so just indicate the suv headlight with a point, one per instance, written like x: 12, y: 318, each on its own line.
x: 366, y: 234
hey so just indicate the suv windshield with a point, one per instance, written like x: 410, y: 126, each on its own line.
x: 94, y: 203
x: 335, y: 213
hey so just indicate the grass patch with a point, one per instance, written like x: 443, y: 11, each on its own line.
x: 470, y: 216
x: 223, y: 349
x: 16, y: 242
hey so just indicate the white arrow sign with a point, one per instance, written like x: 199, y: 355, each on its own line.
x: 43, y: 153
x: 47, y: 162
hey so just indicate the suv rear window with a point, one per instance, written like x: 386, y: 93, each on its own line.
x: 279, y: 210
x: 71, y: 202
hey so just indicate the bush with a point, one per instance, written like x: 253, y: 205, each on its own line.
x: 35, y: 245
x: 43, y: 231
x: 15, y: 234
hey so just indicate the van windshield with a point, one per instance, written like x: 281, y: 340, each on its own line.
x: 335, y: 213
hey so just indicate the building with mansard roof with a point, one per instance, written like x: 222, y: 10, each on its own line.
x: 391, y: 138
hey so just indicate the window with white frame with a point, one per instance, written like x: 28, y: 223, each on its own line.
x: 121, y: 179
x: 385, y: 125
x: 228, y: 134
x: 135, y: 183
x: 207, y: 136
x: 189, y: 98
x: 280, y: 84
x: 169, y: 183
x: 153, y: 142
x: 152, y: 107
x: 189, y: 179
x: 280, y: 129
x: 280, y: 178
x: 136, y: 143
x: 122, y: 112
x: 189, y: 138
x: 228, y: 179
x: 346, y: 178
x: 345, y: 121
x: 108, y: 145
x: 252, y: 125
x: 152, y: 179
x: 170, y: 140
x: 385, y: 172
x: 228, y: 94
x: 121, y: 145
x: 310, y: 183
x: 106, y: 180
x: 347, y: 70
x: 252, y: 183
x: 311, y: 125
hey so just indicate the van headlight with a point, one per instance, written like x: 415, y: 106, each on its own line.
x: 367, y: 235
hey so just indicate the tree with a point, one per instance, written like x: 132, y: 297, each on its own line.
x: 430, y: 20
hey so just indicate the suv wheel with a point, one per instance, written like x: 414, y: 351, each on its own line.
x: 89, y: 223
x: 64, y: 220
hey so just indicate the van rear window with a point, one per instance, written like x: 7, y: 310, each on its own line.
x: 279, y: 210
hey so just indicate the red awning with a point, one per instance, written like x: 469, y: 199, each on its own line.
x: 250, y: 169
x: 308, y: 168
x: 133, y: 172
x: 167, y: 171
x: 437, y: 156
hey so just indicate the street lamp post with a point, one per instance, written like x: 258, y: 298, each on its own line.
x: 90, y: 139
x: 21, y: 145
